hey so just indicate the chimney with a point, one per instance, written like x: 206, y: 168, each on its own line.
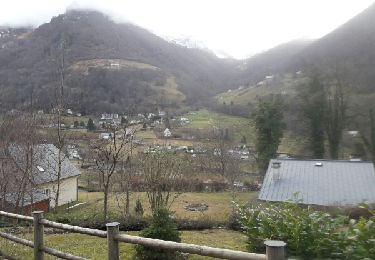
x: 276, y: 170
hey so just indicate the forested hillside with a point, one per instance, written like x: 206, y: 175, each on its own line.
x: 30, y: 62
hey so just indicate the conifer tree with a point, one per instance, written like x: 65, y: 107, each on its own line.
x: 269, y: 126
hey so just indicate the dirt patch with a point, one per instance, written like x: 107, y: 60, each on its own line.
x: 196, y: 207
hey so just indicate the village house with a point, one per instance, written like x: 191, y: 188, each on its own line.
x: 44, y: 179
x: 319, y: 182
x: 69, y: 111
x: 33, y: 200
x: 105, y: 136
x: 110, y: 118
x: 167, y: 133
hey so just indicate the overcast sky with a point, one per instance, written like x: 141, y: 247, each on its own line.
x: 237, y: 27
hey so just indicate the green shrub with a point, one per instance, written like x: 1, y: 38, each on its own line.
x: 202, y: 223
x: 309, y: 234
x: 160, y: 228
x: 138, y: 209
x: 360, y: 238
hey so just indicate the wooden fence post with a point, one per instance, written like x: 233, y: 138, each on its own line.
x: 38, y: 235
x: 113, y: 248
x: 275, y: 250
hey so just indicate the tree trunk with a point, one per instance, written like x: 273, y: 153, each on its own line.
x: 58, y: 180
x: 127, y: 202
x: 105, y: 209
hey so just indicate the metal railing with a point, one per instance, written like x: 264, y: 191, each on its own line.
x: 275, y: 250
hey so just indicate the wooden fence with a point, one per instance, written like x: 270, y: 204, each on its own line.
x: 274, y: 249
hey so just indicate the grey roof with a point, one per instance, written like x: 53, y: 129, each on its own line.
x: 335, y: 183
x: 45, y: 163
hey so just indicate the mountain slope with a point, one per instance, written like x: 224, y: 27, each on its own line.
x: 274, y: 61
x: 32, y: 64
x: 350, y: 48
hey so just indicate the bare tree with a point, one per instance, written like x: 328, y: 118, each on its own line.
x: 5, y: 179
x: 126, y: 172
x: 59, y: 137
x: 161, y: 172
x: 227, y: 160
x: 19, y: 143
x: 108, y: 157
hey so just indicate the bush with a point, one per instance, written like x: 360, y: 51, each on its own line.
x: 196, y: 224
x: 234, y: 222
x: 309, y: 234
x: 134, y: 223
x: 360, y: 238
x: 160, y: 228
x: 138, y: 209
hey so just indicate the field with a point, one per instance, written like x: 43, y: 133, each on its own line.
x: 96, y: 248
x: 238, y: 126
x: 219, y: 205
x: 284, y: 85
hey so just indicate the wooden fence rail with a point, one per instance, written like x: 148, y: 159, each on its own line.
x: 275, y: 250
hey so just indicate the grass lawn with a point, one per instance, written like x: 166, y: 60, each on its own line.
x: 69, y: 120
x: 219, y: 205
x: 285, y: 85
x: 238, y: 126
x: 148, y: 134
x: 96, y: 248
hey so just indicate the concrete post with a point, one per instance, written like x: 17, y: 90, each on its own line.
x: 275, y: 250
x: 113, y: 247
x: 38, y: 235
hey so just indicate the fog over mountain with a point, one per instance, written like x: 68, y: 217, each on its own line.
x: 239, y: 28
x: 113, y: 66
x: 118, y: 66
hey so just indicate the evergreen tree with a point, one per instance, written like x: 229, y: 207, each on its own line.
x: 160, y: 228
x: 370, y: 141
x: 124, y: 121
x: 269, y: 126
x: 335, y: 118
x: 138, y: 209
x: 90, y: 125
x: 167, y: 124
x: 313, y: 108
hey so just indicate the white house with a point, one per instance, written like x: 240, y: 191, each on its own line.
x: 109, y: 116
x: 167, y: 133
x: 105, y: 136
x: 353, y: 133
x: 45, y: 173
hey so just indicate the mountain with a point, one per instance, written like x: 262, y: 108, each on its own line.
x: 197, y: 44
x: 187, y: 42
x: 347, y: 55
x: 350, y: 48
x: 107, y: 67
x: 277, y: 60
